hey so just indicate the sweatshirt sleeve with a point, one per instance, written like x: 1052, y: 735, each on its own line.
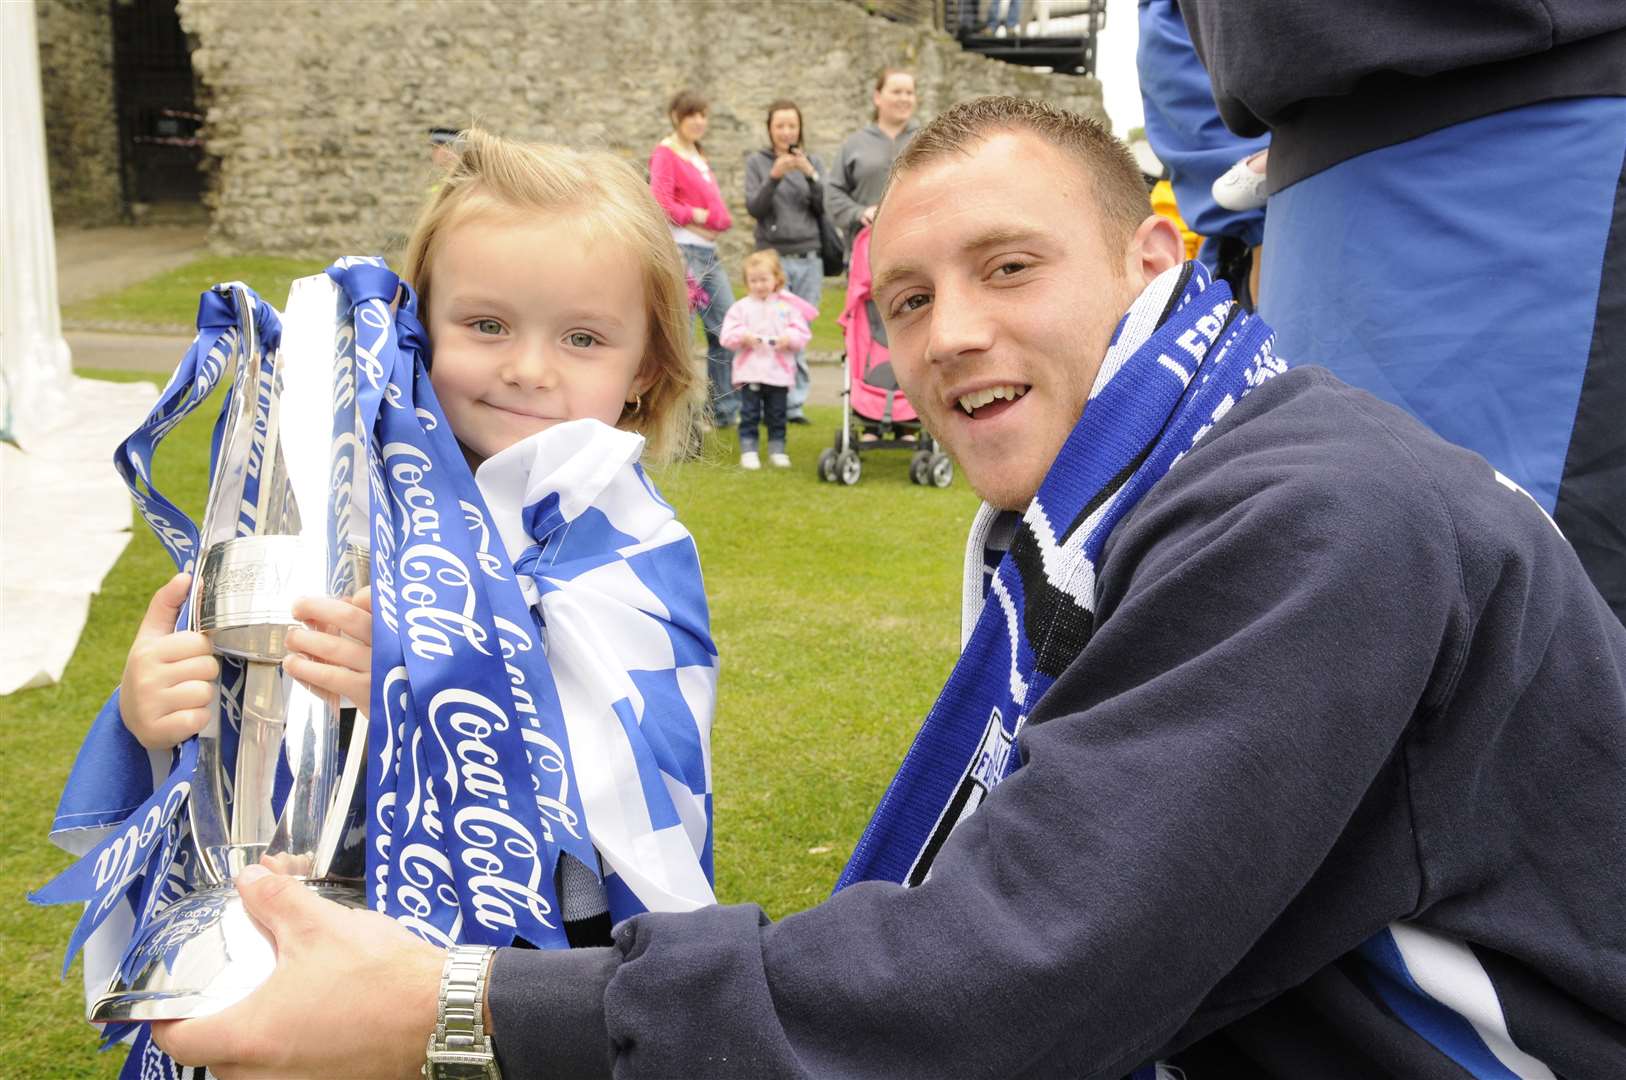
x: 760, y: 186
x: 838, y: 191
x: 734, y: 326
x: 663, y: 175
x: 1265, y: 638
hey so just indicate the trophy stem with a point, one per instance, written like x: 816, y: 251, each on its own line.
x: 259, y: 742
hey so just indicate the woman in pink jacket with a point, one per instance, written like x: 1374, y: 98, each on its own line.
x: 686, y: 189
x: 766, y: 329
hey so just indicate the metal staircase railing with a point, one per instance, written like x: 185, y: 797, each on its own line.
x: 1057, y: 34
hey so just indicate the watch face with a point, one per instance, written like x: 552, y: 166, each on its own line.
x: 461, y: 1065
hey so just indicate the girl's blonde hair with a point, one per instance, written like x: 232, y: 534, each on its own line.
x: 497, y: 176
x: 770, y: 258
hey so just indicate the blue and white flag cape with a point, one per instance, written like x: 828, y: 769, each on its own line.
x: 1179, y: 360
x: 484, y: 682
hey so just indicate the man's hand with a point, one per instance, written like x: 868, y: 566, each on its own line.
x: 168, y: 692
x: 333, y: 652
x: 353, y: 995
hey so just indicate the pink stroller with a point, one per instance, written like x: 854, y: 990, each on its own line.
x: 870, y: 393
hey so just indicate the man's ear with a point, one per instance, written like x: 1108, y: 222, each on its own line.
x: 1155, y: 247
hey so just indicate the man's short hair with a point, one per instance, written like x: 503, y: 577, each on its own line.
x: 1119, y: 191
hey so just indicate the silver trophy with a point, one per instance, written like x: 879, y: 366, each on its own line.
x: 293, y: 459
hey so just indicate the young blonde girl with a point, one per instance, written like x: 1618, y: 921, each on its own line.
x: 766, y: 329
x: 557, y: 311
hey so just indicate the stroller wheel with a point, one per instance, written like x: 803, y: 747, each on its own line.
x: 848, y: 467
x: 827, y: 466
x: 920, y: 467
x: 942, y: 470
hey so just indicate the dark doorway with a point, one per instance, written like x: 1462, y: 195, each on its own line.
x: 159, y: 148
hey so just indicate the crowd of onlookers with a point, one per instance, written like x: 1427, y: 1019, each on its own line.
x: 756, y: 347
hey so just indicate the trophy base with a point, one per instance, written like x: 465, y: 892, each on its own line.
x: 197, y: 956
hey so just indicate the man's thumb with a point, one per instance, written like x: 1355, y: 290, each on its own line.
x: 280, y: 903
x: 165, y: 606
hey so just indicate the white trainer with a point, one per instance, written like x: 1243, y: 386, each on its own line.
x: 780, y: 461
x: 1240, y: 188
x: 750, y: 460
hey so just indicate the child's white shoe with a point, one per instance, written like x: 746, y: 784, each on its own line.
x: 750, y: 460
x: 780, y: 461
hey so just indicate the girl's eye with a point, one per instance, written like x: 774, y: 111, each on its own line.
x: 581, y: 339
x: 487, y: 326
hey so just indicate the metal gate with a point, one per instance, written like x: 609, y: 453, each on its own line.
x: 160, y: 152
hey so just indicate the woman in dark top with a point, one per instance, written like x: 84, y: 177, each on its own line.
x: 784, y: 192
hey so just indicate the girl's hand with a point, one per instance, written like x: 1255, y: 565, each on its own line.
x: 749, y: 341
x: 332, y: 653
x: 167, y: 694
x: 782, y: 164
x: 801, y: 162
x: 867, y: 218
x: 701, y: 216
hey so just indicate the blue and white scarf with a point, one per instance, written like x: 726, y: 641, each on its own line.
x: 1179, y: 360
x: 487, y: 685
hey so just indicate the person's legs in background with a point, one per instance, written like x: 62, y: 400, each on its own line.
x: 709, y: 274
x: 1013, y: 15
x: 773, y: 405
x: 1476, y: 277
x: 804, y: 276
x: 751, y: 400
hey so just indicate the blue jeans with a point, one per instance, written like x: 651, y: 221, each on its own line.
x: 709, y: 274
x: 762, y: 404
x: 804, y: 276
x: 1013, y: 14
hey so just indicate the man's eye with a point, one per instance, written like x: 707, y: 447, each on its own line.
x: 487, y: 326
x: 581, y: 339
x: 912, y: 302
x: 1006, y: 269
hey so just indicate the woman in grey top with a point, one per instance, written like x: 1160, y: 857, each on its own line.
x: 866, y: 157
x: 784, y: 192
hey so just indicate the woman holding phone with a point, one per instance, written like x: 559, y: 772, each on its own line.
x: 784, y: 193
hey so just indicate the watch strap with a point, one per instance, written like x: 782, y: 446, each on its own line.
x: 460, y: 1047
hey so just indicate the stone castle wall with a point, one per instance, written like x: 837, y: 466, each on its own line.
x: 81, y: 128
x: 317, y: 111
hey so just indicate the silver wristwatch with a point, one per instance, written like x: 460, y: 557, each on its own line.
x: 459, y: 1047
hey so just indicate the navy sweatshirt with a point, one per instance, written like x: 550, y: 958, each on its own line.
x: 1336, y: 789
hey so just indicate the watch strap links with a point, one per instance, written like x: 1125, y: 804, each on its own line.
x: 460, y: 1047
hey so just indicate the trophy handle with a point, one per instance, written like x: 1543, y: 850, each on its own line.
x: 207, y: 805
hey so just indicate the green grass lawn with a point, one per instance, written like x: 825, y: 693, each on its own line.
x: 834, y: 609
x: 169, y: 301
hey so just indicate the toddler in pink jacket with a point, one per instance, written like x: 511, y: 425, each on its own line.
x: 765, y: 329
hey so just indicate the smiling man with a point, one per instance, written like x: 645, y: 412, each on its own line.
x: 1287, y: 740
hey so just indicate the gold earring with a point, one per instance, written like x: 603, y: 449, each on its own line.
x: 635, y: 406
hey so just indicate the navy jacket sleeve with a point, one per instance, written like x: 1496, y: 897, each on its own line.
x: 1271, y: 619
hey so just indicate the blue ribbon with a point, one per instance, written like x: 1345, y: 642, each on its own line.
x: 469, y: 778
